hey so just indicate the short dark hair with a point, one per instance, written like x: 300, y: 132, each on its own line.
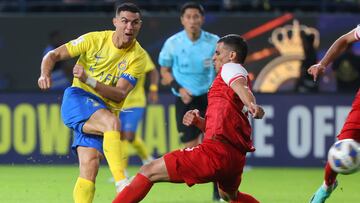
x: 127, y: 6
x: 236, y: 43
x: 192, y: 5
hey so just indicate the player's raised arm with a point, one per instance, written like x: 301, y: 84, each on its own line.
x: 337, y: 48
x: 241, y: 88
x: 47, y: 65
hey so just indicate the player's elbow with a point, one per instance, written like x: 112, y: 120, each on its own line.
x: 118, y: 99
x: 52, y: 56
x: 120, y: 95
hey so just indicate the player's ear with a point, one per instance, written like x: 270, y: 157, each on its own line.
x: 114, y: 21
x: 233, y: 56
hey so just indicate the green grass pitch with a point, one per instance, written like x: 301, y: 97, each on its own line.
x: 54, y: 184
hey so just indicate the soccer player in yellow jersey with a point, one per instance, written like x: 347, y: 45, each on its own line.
x: 133, y: 110
x: 109, y: 63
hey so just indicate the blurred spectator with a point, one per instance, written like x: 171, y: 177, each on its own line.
x: 62, y: 73
x: 305, y: 83
x: 347, y: 70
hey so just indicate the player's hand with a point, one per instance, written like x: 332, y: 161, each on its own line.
x: 44, y: 82
x: 191, y: 117
x: 79, y: 72
x: 316, y: 70
x: 186, y: 96
x: 153, y: 97
x: 256, y: 111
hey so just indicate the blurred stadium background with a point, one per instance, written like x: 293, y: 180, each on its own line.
x: 294, y: 137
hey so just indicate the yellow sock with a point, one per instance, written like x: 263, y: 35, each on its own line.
x: 140, y: 147
x: 113, y: 153
x: 125, y: 153
x: 83, y: 191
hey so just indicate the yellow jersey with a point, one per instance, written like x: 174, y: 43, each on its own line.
x: 106, y: 63
x: 137, y: 97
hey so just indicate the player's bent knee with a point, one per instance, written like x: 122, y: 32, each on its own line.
x: 147, y: 170
x: 111, y: 122
x: 155, y: 171
x: 151, y: 171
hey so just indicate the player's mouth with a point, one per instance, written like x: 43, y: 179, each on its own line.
x: 129, y: 34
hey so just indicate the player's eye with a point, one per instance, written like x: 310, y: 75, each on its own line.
x: 133, y: 23
x: 124, y: 21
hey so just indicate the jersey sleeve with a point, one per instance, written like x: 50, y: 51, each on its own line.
x: 165, y: 56
x: 232, y: 71
x: 80, y: 45
x: 136, y: 68
x: 357, y: 32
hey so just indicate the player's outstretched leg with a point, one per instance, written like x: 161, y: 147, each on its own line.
x: 135, y: 191
x: 323, y: 193
x: 327, y: 187
x: 139, y: 187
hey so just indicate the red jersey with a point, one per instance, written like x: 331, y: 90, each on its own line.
x: 226, y: 116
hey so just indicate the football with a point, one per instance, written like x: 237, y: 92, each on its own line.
x: 344, y: 156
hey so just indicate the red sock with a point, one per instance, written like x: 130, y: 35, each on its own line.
x: 244, y: 198
x: 135, y: 191
x: 330, y: 175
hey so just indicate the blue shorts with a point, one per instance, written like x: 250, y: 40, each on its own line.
x: 130, y: 118
x: 77, y: 107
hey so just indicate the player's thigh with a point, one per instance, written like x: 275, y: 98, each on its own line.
x: 230, y: 176
x: 156, y: 170
x: 78, y: 106
x: 101, y: 121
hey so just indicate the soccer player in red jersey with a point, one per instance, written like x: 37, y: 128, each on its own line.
x: 221, y: 157
x: 351, y: 128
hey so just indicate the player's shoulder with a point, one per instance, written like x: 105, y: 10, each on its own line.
x: 96, y: 35
x: 231, y: 67
x: 231, y: 71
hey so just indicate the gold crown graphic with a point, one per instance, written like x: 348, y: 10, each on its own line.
x: 287, y: 39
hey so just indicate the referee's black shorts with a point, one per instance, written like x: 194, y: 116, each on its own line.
x: 198, y: 102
